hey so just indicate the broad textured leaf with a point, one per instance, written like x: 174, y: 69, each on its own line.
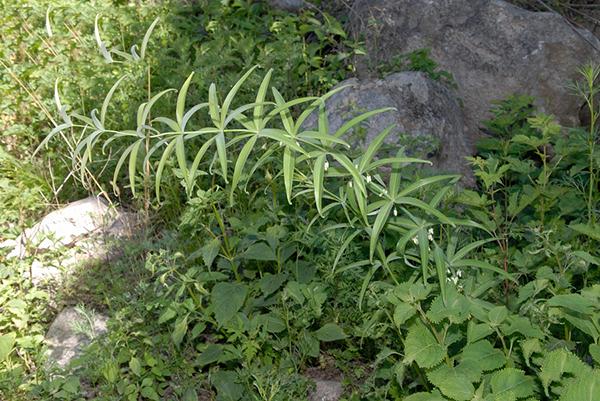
x: 7, y: 342
x: 452, y: 383
x: 573, y: 302
x: 330, y: 332
x: 485, y: 355
x: 181, y: 327
x: 259, y: 251
x: 403, y: 312
x: 421, y: 347
x: 433, y: 396
x: 559, y: 362
x: 211, y: 354
x: 514, y: 381
x: 584, y: 388
x: 227, y: 299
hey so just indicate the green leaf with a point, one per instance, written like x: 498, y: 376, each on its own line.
x: 330, y: 332
x: 181, y: 97
x: 135, y: 366
x: 433, y: 396
x: 227, y: 299
x: 478, y: 331
x: 497, y: 315
x: 210, y: 251
x: 594, y: 352
x: 421, y: 347
x: 167, y: 315
x: 259, y: 251
x: 380, y: 221
x: 452, y: 383
x: 484, y: 355
x: 227, y: 384
x: 150, y: 393
x: 211, y: 354
x: 573, y: 302
x: 240, y: 164
x: 190, y: 395
x: 289, y: 166
x: 557, y: 363
x: 7, y: 342
x: 513, y: 381
x: 402, y: 313
x: 147, y: 38
x: 583, y: 388
x: 588, y: 230
x: 181, y: 327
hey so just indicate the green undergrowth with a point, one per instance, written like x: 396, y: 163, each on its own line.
x: 281, y: 253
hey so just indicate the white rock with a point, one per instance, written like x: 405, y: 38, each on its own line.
x: 70, y: 332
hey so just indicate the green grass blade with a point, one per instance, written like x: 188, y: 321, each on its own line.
x: 373, y: 148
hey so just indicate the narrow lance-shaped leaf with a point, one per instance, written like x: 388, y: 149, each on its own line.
x: 181, y: 97
x: 231, y: 95
x: 132, y: 165
x: 378, y: 225
x: 147, y: 38
x: 99, y: 41
x: 318, y: 174
x: 358, y: 119
x: 107, y: 100
x: 289, y: 165
x: 260, y: 98
x: 240, y: 164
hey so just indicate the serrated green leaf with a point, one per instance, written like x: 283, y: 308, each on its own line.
x: 485, y: 355
x: 514, y: 381
x: 421, y: 347
x: 403, y: 312
x: 557, y: 363
x: 452, y: 383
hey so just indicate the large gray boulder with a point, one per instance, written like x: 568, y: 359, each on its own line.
x: 428, y: 118
x: 492, y: 48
